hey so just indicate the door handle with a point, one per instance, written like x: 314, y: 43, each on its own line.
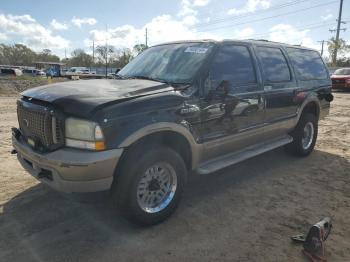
x: 267, y: 88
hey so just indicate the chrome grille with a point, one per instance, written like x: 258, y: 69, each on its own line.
x: 36, y: 122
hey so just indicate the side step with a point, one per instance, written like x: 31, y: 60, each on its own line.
x: 233, y: 158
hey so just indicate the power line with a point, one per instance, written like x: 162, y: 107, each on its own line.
x: 267, y: 18
x: 305, y: 27
x: 275, y: 7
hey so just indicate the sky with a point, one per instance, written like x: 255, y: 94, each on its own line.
x: 63, y: 26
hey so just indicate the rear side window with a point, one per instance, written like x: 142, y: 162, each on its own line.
x: 308, y: 64
x: 234, y: 64
x: 274, y: 64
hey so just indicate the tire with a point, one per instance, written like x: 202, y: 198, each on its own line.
x: 304, y: 142
x: 133, y: 186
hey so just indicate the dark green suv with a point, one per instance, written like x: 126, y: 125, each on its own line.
x: 177, y: 107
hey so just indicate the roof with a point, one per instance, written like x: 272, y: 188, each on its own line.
x: 49, y: 63
x: 253, y: 41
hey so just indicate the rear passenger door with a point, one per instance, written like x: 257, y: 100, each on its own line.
x: 279, y: 90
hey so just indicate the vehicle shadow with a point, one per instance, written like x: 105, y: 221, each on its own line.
x: 40, y: 224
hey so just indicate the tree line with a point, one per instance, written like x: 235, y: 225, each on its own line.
x: 21, y: 55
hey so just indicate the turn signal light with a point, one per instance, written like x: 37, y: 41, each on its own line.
x: 100, y: 145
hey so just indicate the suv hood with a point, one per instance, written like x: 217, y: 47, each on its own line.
x: 82, y: 97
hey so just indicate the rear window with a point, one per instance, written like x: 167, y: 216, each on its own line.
x: 308, y: 64
x: 274, y: 64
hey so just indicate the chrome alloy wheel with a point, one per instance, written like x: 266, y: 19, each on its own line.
x: 308, y: 135
x: 156, y: 187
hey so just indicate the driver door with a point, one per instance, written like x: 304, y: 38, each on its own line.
x: 232, y: 105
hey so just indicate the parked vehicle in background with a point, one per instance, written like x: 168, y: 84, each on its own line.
x: 88, y: 72
x: 79, y: 70
x: 341, y: 79
x: 177, y: 107
x: 11, y: 71
x: 40, y: 73
x: 34, y: 72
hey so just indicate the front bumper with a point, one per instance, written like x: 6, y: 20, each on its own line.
x: 69, y: 170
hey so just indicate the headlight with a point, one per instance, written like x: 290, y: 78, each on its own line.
x: 83, y: 134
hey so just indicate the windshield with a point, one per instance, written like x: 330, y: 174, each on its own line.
x: 174, y: 63
x: 343, y: 71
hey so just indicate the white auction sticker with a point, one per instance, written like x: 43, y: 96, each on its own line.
x: 197, y: 50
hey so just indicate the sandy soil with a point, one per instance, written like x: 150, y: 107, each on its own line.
x: 244, y: 213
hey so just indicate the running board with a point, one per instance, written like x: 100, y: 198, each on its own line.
x: 233, y: 158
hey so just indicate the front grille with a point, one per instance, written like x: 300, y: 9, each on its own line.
x: 338, y: 81
x: 37, y: 123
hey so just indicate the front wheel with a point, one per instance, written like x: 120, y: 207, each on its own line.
x: 149, y: 187
x: 304, y: 136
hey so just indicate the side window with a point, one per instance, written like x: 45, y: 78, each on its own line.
x: 308, y: 64
x: 232, y: 64
x: 274, y: 64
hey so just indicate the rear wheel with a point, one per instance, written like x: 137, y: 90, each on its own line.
x: 304, y: 136
x: 149, y: 186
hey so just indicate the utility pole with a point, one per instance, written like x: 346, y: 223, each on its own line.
x: 106, y: 51
x: 146, y: 35
x: 322, y: 43
x: 337, y: 34
x: 93, y: 51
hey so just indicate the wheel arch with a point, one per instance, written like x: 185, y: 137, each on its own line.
x: 310, y: 105
x: 175, y: 136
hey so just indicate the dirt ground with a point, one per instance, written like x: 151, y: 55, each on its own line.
x: 244, y: 213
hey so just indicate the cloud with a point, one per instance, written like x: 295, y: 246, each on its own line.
x: 187, y: 8
x: 58, y: 26
x: 250, y: 7
x: 244, y: 33
x: 287, y: 33
x: 190, y: 20
x: 163, y: 28
x: 31, y: 32
x: 21, y: 18
x: 326, y: 17
x: 83, y: 21
x: 201, y: 2
x: 3, y: 37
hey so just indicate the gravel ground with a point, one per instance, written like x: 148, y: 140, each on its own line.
x: 244, y: 213
x: 10, y: 85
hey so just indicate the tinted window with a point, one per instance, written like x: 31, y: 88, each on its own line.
x: 307, y: 63
x: 8, y: 71
x: 234, y: 64
x: 274, y: 64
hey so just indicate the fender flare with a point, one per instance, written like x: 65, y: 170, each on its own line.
x: 308, y: 100
x: 167, y: 126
